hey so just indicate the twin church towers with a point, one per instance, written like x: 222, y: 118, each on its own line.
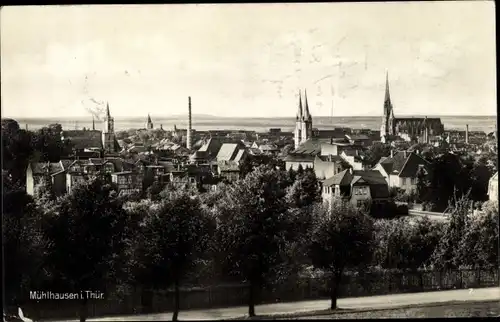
x: 303, y: 122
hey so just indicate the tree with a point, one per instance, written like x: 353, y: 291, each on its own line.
x: 173, y: 234
x: 85, y: 236
x: 406, y: 243
x: 253, y: 229
x: 16, y: 151
x: 375, y: 152
x: 341, y: 238
x: 305, y: 190
x: 480, y: 175
x: 447, y: 253
x: 292, y: 175
x: 22, y: 245
x: 300, y: 170
x: 48, y: 144
x: 478, y: 246
x: 448, y: 179
x: 422, y: 185
x: 254, y: 161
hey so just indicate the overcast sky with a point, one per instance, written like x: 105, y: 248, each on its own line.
x: 249, y: 60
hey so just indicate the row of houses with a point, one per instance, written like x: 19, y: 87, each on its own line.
x: 214, y: 161
x: 338, y: 163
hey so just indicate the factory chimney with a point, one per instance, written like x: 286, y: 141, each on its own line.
x: 188, y: 140
x: 467, y: 134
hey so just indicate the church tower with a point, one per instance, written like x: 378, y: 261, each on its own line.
x: 307, y: 121
x: 149, y: 124
x: 298, y: 124
x: 108, y: 133
x: 303, y: 122
x: 387, y: 127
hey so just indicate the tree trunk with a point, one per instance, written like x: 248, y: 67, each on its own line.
x: 251, y: 300
x: 83, y: 309
x: 336, y: 276
x: 176, y: 301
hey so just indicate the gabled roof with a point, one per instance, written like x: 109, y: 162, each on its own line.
x: 211, y: 146
x: 227, y: 152
x: 341, y: 179
x: 401, y: 166
x: 311, y: 146
x: 240, y: 155
x: 372, y: 177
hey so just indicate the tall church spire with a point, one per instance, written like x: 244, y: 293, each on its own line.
x: 387, y: 99
x: 107, y: 110
x: 93, y: 123
x: 307, y: 115
x: 299, y: 112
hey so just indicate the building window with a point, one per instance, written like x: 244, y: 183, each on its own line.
x: 109, y: 168
x: 360, y: 203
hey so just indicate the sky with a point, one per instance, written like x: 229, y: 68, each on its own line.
x: 249, y: 60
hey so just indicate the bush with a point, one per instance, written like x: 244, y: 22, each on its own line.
x: 402, y: 210
x: 387, y: 210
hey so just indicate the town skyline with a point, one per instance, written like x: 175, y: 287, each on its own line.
x: 257, y: 67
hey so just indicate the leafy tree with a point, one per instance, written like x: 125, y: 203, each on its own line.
x: 173, y: 234
x: 479, y: 177
x: 448, y: 179
x: 22, y: 245
x: 154, y: 190
x: 305, y: 190
x: 478, y: 246
x: 252, y: 162
x: 447, y: 253
x: 16, y: 151
x: 85, y: 237
x: 342, y: 238
x: 292, y: 175
x: 406, y: 243
x: 300, y: 170
x: 375, y: 152
x: 253, y: 230
x: 422, y: 185
x: 48, y: 144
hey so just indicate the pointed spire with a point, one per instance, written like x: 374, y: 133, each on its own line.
x: 108, y: 114
x: 149, y: 118
x: 307, y: 114
x: 387, y: 94
x: 387, y: 99
x: 93, y: 123
x: 299, y: 112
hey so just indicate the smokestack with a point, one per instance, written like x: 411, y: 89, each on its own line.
x: 467, y: 134
x: 188, y: 141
